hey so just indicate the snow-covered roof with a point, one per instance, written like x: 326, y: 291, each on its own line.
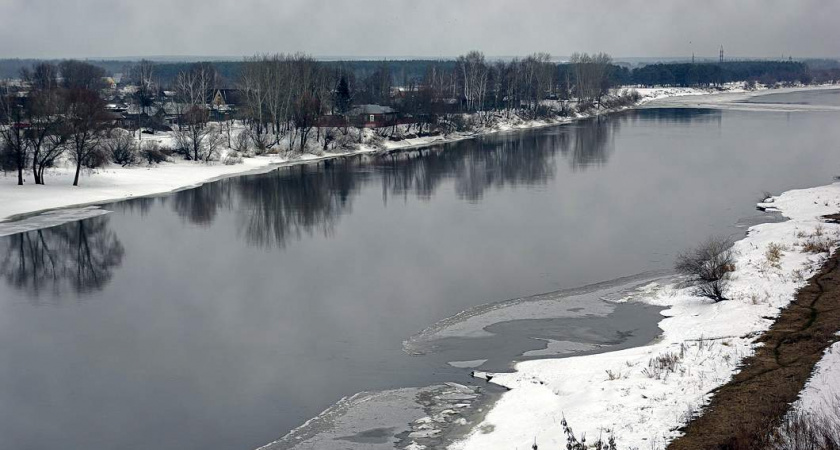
x: 371, y: 109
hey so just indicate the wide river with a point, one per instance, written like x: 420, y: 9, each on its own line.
x: 222, y: 317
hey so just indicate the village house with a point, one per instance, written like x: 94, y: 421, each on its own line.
x: 372, y: 116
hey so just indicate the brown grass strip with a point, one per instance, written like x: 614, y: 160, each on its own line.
x: 743, y: 411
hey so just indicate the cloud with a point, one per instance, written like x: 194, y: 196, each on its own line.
x: 393, y: 28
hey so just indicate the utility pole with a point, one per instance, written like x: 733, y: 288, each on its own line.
x: 721, y: 53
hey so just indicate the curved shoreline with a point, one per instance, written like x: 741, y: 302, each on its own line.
x: 116, y: 184
x: 642, y: 399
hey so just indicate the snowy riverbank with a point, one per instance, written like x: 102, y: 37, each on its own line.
x: 116, y: 183
x: 644, y: 394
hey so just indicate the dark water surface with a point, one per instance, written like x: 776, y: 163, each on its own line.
x: 223, y: 316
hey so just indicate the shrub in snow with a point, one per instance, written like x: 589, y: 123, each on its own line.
x: 8, y: 158
x: 122, y: 149
x: 242, y: 142
x: 152, y: 153
x: 774, y: 254
x: 97, y: 157
x: 345, y: 141
x: 585, y: 107
x: 807, y: 430
x: 462, y: 123
x: 817, y: 241
x: 376, y: 141
x: 708, y: 265
x: 572, y: 442
x: 260, y: 141
x: 232, y: 157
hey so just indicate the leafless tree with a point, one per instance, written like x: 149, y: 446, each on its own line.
x: 195, y: 86
x: 142, y: 76
x: 120, y: 147
x: 708, y: 266
x: 43, y: 77
x: 199, y: 139
x: 474, y: 74
x: 81, y: 75
x: 590, y: 75
x: 86, y: 121
x: 12, y: 132
x: 48, y: 132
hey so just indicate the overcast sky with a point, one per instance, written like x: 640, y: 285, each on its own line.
x: 425, y: 28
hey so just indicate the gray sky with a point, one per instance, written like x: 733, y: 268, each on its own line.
x: 426, y: 28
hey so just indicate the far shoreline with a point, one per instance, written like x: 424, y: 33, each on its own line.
x: 14, y: 209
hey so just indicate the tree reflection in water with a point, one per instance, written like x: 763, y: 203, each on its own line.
x: 82, y: 255
x: 291, y: 202
x: 201, y: 205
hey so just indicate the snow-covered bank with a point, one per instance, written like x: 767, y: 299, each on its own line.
x: 116, y: 183
x: 644, y: 394
x: 821, y: 395
x: 733, y: 97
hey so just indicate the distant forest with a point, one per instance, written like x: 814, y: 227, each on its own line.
x: 405, y: 72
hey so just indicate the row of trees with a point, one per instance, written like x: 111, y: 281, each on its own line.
x: 286, y: 98
x: 53, y: 118
x: 285, y: 94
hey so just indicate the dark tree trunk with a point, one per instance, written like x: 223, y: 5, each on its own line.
x: 78, y: 169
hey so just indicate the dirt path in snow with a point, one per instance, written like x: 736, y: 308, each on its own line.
x: 743, y: 410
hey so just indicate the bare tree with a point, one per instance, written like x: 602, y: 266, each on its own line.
x: 47, y: 135
x: 43, y: 77
x: 12, y: 132
x: 590, y: 75
x: 120, y: 147
x: 142, y: 76
x: 81, y: 75
x: 708, y: 266
x: 199, y: 140
x: 474, y: 74
x: 307, y: 109
x: 86, y: 120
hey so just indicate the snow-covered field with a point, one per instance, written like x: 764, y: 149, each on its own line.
x: 115, y: 183
x: 642, y: 395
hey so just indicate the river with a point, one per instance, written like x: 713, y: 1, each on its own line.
x: 224, y: 316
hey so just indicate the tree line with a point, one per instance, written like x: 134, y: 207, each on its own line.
x: 59, y: 111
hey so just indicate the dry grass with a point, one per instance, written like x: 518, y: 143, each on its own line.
x: 664, y: 364
x: 744, y: 413
x: 774, y: 254
x: 806, y: 431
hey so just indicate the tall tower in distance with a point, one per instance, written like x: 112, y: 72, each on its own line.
x: 721, y: 53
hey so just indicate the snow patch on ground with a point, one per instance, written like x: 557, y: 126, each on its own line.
x: 643, y: 395
x: 821, y: 395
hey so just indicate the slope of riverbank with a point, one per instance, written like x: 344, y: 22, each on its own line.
x: 743, y: 410
x: 644, y: 395
x: 117, y: 183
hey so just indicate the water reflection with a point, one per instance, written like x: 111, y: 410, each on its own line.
x: 81, y: 254
x: 590, y: 143
x: 200, y: 206
x: 292, y: 202
x: 285, y: 204
x: 673, y: 116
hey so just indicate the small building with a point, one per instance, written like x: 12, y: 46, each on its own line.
x: 372, y: 116
x: 223, y: 103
